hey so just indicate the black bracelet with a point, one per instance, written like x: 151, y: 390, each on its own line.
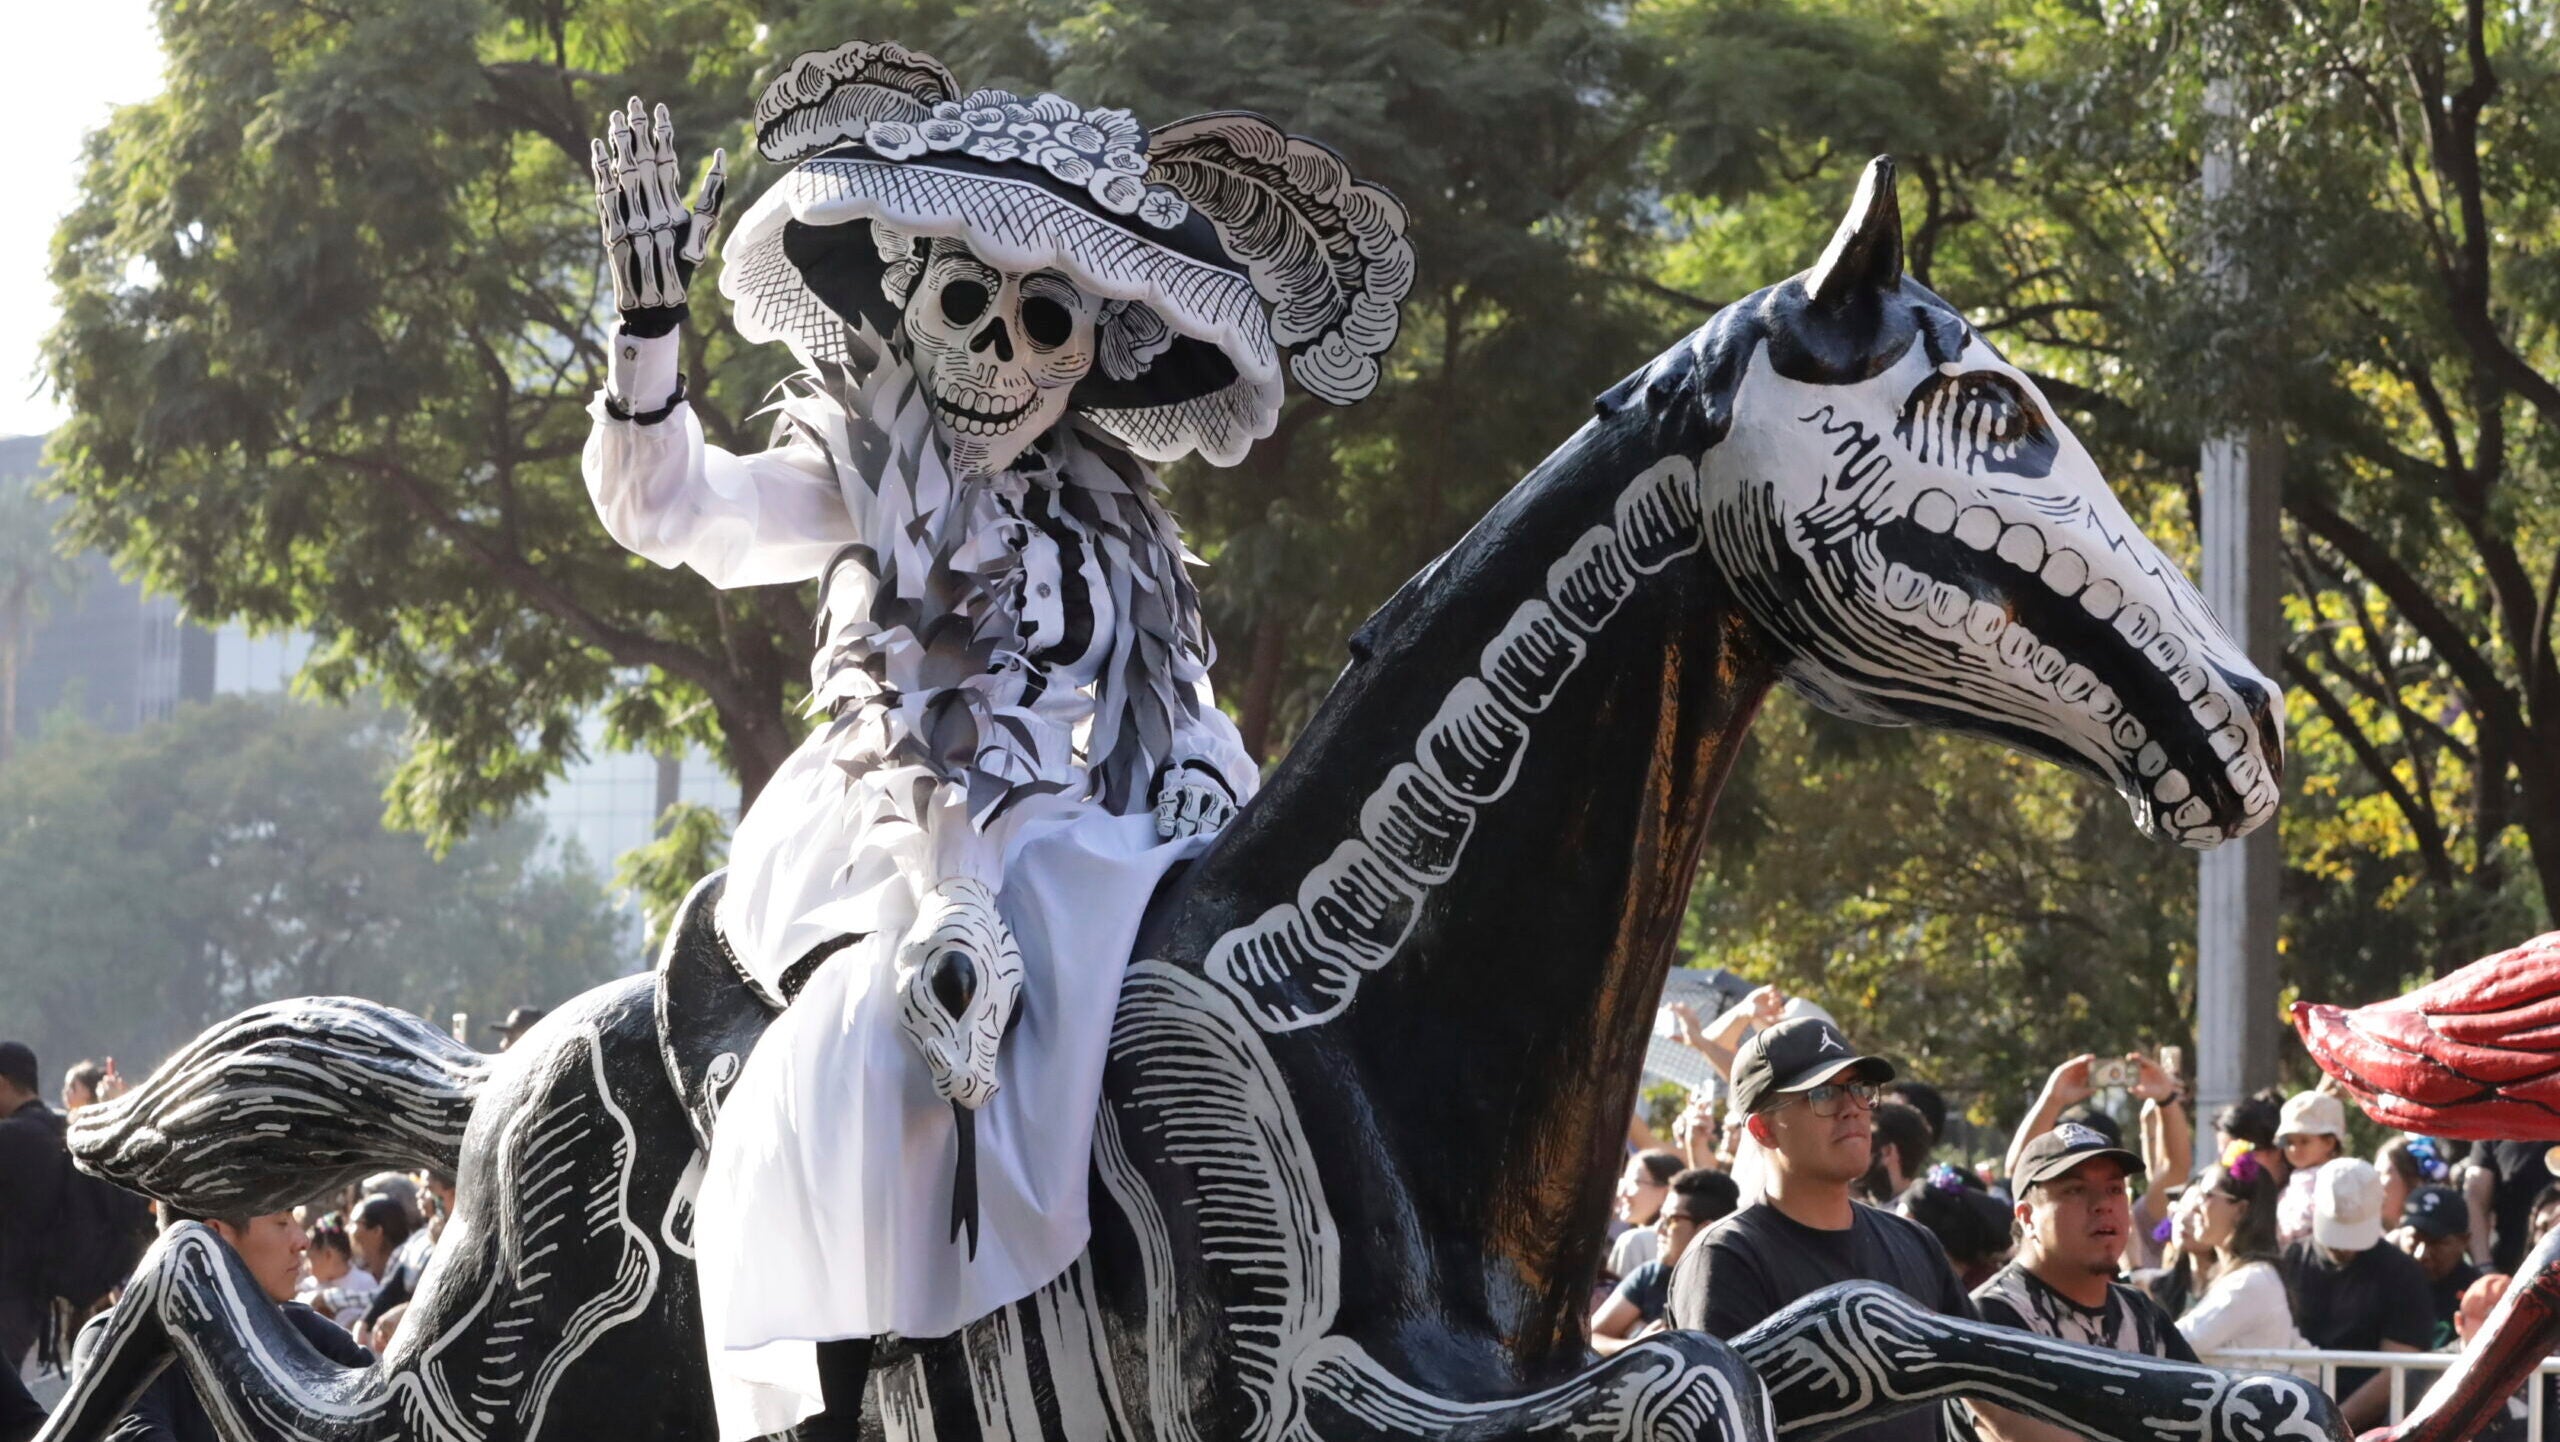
x: 614, y: 407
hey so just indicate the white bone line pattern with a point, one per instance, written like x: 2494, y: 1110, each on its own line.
x: 1300, y: 963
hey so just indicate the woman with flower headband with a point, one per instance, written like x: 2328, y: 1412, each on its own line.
x: 1007, y: 307
x: 2226, y: 1267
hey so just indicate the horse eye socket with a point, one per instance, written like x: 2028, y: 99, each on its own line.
x: 963, y: 301
x: 954, y: 980
x: 1046, y: 322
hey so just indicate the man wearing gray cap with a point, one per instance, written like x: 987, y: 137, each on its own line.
x: 1808, y: 1099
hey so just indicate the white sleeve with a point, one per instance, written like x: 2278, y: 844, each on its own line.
x: 2244, y: 1311
x: 772, y: 518
x: 1211, y: 738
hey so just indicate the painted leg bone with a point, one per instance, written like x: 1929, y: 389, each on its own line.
x: 1852, y: 1354
x: 193, y: 1304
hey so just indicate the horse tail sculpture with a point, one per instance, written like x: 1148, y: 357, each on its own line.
x: 283, y: 1103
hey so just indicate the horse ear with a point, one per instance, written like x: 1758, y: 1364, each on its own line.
x: 1865, y: 253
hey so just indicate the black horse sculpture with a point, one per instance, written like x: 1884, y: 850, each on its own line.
x: 1371, y: 1073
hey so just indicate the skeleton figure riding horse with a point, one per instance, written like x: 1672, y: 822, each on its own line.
x: 1371, y: 1055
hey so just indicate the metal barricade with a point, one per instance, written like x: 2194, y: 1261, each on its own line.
x: 2398, y: 1365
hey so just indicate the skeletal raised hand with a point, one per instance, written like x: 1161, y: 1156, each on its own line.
x: 652, y: 240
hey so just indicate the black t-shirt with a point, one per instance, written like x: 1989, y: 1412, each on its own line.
x: 2129, y: 1321
x: 2447, y: 1291
x: 2375, y: 1296
x: 1647, y: 1289
x: 31, y: 1168
x: 2522, y: 1173
x: 1758, y: 1260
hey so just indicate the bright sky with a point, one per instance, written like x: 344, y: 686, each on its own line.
x: 77, y: 63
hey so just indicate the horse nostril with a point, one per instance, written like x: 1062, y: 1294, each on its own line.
x: 994, y: 335
x: 953, y: 979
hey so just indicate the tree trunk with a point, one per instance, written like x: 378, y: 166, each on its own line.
x: 2538, y: 775
x: 1261, y: 688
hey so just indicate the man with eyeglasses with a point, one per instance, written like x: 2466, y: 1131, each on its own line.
x: 1809, y: 1099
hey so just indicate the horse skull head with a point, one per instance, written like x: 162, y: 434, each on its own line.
x: 997, y: 352
x: 959, y: 978
x: 1900, y: 508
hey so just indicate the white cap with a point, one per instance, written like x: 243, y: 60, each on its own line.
x: 2346, y: 1206
x: 2312, y: 1114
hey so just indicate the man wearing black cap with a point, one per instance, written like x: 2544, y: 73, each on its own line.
x: 2435, y: 1228
x: 2074, y: 1215
x: 32, y: 1166
x: 1808, y: 1100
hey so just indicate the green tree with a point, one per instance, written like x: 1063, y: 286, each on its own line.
x: 154, y: 882
x: 34, y: 573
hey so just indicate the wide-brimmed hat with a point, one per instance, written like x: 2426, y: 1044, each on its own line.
x: 1228, y: 252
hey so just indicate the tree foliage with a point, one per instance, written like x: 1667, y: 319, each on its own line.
x: 332, y: 317
x: 152, y: 883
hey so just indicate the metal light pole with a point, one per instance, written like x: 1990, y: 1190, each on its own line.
x: 2240, y: 481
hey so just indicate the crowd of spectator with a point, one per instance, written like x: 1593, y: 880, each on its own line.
x: 341, y: 1269
x: 2095, y: 1225
x: 1812, y: 1164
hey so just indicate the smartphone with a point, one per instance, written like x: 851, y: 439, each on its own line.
x: 2111, y: 1072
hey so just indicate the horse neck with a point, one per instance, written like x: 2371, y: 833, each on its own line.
x: 1471, y: 1080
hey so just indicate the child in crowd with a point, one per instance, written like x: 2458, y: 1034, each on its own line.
x: 334, y: 1286
x: 2313, y: 1133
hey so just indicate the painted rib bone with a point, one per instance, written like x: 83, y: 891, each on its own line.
x: 1299, y: 964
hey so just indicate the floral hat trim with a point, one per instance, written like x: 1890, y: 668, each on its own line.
x: 1105, y: 151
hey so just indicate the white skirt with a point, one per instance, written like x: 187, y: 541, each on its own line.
x: 825, y: 1210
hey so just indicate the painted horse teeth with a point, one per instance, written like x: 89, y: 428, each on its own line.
x: 2172, y: 786
x: 1978, y: 527
x: 2022, y: 547
x: 2065, y: 572
x: 2103, y: 598
x: 2151, y: 760
x: 1934, y: 510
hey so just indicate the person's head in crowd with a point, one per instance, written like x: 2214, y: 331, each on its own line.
x: 440, y: 1190
x: 1697, y: 1199
x: 2435, y: 1228
x: 402, y: 1188
x: 2251, y: 1119
x: 2096, y: 1119
x: 2346, y: 1208
x: 269, y: 1244
x: 1810, y: 1099
x: 80, y: 1084
x: 379, y: 1226
x: 1971, y: 1224
x: 1901, y: 1151
x: 2313, y: 1131
x: 1925, y: 1099
x: 2544, y: 1216
x: 2075, y: 1203
x: 518, y: 1022
x: 2231, y: 1210
x: 2408, y: 1163
x: 332, y: 1252
x: 2478, y: 1301
x: 18, y: 1073
x: 1643, y: 1185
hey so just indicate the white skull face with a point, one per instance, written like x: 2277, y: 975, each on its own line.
x: 997, y: 352
x: 959, y: 978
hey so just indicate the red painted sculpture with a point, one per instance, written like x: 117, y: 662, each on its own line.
x: 2474, y: 1055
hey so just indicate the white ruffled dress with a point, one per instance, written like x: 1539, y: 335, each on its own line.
x: 1011, y: 735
